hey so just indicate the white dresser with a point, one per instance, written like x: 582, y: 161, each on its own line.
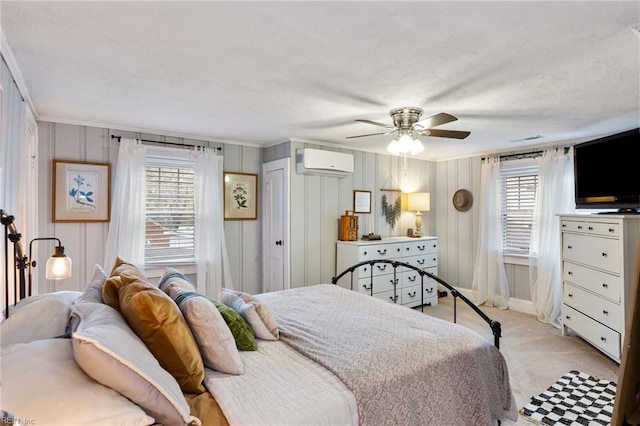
x: 405, y: 289
x: 598, y: 257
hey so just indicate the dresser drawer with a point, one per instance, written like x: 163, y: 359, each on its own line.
x: 379, y: 251
x: 387, y: 296
x: 574, y: 226
x: 424, y: 261
x: 420, y: 247
x: 381, y: 284
x: 597, y: 334
x: 602, y: 253
x: 610, y: 229
x: 604, y: 228
x: 411, y: 278
x: 364, y: 271
x: 604, y: 311
x: 606, y: 285
x: 410, y: 296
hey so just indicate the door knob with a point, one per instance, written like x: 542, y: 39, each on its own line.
x: 279, y: 242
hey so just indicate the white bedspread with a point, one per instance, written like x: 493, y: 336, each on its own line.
x: 404, y: 367
x: 279, y: 383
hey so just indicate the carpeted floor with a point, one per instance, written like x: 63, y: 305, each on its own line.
x: 537, y: 354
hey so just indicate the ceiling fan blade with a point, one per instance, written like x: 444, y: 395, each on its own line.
x: 371, y: 134
x: 437, y: 120
x: 375, y: 123
x: 454, y: 134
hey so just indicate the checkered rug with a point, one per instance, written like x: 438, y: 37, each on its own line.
x: 575, y: 399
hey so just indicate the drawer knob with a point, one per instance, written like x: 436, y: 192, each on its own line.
x: 567, y: 317
x: 365, y: 253
x: 382, y: 267
x: 421, y: 247
x: 605, y: 312
x: 605, y: 285
x: 429, y: 290
x: 394, y: 282
x: 407, y: 249
x: 393, y: 298
x: 569, y: 247
x: 413, y: 278
x: 604, y: 254
x: 420, y: 261
x: 364, y: 269
x: 434, y: 259
x: 569, y: 273
x: 564, y: 225
x: 570, y: 295
x: 579, y: 226
x: 411, y: 294
x: 591, y: 228
x: 604, y: 339
x: 611, y: 230
x: 398, y: 249
x: 382, y: 251
x: 367, y: 287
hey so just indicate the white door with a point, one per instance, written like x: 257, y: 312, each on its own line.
x: 275, y: 258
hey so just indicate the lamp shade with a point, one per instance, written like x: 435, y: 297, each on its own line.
x: 58, y: 265
x: 419, y: 201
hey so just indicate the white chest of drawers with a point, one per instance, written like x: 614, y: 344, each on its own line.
x: 405, y: 288
x: 598, y: 256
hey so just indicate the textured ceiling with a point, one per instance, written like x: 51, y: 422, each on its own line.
x: 260, y: 72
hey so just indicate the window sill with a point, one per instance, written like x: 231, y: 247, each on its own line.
x: 516, y: 259
x: 156, y: 271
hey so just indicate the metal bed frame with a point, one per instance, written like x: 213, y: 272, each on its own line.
x: 495, y: 326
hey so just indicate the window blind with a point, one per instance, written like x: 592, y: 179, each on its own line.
x: 170, y: 211
x: 519, y: 187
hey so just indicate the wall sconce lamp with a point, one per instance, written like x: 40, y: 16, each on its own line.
x: 58, y: 265
x: 418, y: 202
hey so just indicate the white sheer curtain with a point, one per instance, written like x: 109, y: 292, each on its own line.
x: 489, y: 278
x: 212, y: 258
x: 127, y: 227
x: 553, y: 196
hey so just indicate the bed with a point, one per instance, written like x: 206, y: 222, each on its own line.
x: 316, y: 355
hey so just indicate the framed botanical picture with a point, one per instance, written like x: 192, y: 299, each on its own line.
x: 361, y: 201
x: 81, y: 191
x: 240, y: 196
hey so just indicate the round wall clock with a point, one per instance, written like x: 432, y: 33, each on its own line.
x: 462, y: 200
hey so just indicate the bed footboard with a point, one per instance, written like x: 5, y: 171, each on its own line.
x: 495, y: 326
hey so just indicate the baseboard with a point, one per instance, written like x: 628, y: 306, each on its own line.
x: 517, y: 305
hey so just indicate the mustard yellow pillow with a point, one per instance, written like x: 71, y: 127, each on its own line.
x: 110, y: 291
x: 121, y: 266
x: 157, y: 321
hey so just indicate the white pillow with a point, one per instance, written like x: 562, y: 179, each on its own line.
x: 213, y: 335
x: 110, y: 352
x: 93, y: 290
x: 256, y: 313
x: 43, y: 383
x: 42, y: 316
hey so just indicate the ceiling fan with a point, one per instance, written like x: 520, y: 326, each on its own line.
x: 408, y: 125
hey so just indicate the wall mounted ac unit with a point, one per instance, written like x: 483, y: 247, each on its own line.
x: 324, y: 163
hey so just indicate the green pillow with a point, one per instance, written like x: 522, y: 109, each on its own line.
x: 240, y: 328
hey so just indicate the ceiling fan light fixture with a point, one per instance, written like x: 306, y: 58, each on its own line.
x: 405, y: 142
x: 394, y: 147
x: 417, y: 147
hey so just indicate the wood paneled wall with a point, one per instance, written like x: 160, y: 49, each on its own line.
x: 317, y: 204
x: 84, y: 242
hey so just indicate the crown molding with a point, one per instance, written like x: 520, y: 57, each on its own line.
x: 12, y: 63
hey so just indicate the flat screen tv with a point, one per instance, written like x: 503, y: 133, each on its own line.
x: 607, y: 173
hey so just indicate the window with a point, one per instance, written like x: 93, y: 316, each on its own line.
x: 518, y: 185
x: 170, y: 211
